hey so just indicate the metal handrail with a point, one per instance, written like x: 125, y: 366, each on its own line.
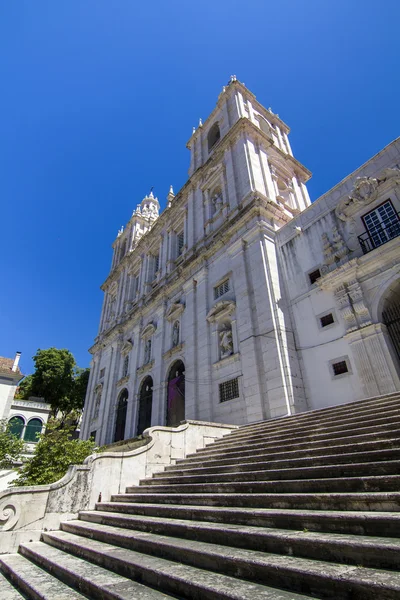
x: 382, y: 234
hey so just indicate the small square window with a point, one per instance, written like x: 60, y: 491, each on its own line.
x: 314, y: 275
x: 221, y: 289
x: 326, y: 320
x: 228, y: 390
x: 340, y: 368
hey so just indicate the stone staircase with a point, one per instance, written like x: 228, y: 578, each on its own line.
x: 298, y: 507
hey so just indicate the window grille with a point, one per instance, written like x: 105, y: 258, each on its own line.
x: 327, y: 320
x: 221, y: 289
x: 340, y: 367
x: 228, y: 390
x: 314, y: 275
x: 180, y: 242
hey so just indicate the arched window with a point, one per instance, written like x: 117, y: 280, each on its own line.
x: 32, y: 429
x: 175, y: 334
x: 214, y: 136
x: 16, y: 425
x: 125, y: 367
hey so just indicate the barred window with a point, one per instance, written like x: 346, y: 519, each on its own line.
x: 340, y: 367
x: 228, y: 390
x: 180, y: 241
x: 327, y: 320
x: 221, y: 289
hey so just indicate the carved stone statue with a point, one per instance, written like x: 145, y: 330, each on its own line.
x: 175, y: 334
x: 216, y: 201
x: 147, y: 351
x: 226, y: 341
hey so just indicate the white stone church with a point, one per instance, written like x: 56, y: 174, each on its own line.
x: 242, y: 301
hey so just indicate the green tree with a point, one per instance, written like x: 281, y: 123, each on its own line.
x: 58, y: 380
x: 24, y: 389
x: 11, y: 446
x: 54, y: 453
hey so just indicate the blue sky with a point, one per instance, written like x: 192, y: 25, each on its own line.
x: 99, y: 97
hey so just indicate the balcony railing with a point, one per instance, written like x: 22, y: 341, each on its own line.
x: 381, y: 234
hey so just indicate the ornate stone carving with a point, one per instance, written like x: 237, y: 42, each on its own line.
x: 126, y: 347
x: 149, y: 330
x: 359, y: 307
x: 147, y: 351
x: 175, y: 334
x: 226, y: 341
x: 174, y: 311
x: 335, y: 251
x: 343, y: 300
x: 365, y: 191
x: 220, y: 310
x: 9, y: 516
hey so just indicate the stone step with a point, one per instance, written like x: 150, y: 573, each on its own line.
x: 365, y: 522
x: 390, y: 444
x: 375, y: 501
x: 294, y: 444
x: 301, y: 575
x: 378, y: 483
x: 33, y: 581
x: 227, y: 445
x: 314, y: 461
x: 331, y: 413
x: 376, y: 552
x: 325, y: 426
x: 8, y: 591
x: 267, y: 473
x: 180, y: 579
x: 93, y: 580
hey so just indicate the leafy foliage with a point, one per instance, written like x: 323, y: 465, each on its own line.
x: 58, y: 380
x: 11, y: 447
x: 54, y: 453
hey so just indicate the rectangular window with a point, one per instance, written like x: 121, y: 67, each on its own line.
x: 221, y: 289
x: 180, y: 239
x: 382, y: 224
x: 314, y: 275
x: 340, y: 368
x: 102, y: 372
x: 228, y: 390
x: 327, y: 320
x: 93, y: 435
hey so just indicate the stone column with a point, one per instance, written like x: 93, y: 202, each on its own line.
x: 191, y: 374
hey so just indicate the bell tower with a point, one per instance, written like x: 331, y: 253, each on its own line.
x: 256, y: 150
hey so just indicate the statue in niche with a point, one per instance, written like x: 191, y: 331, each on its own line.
x: 175, y: 334
x: 216, y: 201
x: 147, y: 351
x: 226, y: 341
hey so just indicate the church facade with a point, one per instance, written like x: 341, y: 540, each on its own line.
x: 242, y: 301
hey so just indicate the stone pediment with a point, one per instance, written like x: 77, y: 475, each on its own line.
x: 220, y: 310
x: 174, y: 311
x: 126, y: 347
x: 148, y: 330
x: 365, y: 191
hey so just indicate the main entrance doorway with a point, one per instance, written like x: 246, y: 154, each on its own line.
x: 176, y: 394
x: 145, y: 405
x: 120, y: 421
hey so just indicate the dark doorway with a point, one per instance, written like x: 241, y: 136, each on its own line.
x: 120, y: 421
x: 176, y: 394
x: 145, y: 405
